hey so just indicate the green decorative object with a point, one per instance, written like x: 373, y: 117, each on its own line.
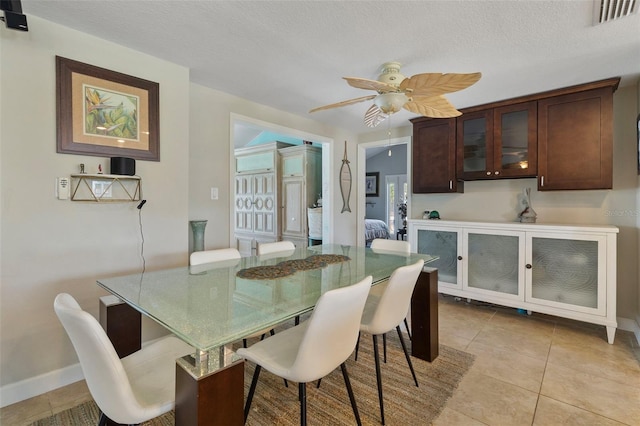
x: 197, y: 227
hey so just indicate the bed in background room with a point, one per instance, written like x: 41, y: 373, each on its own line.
x: 374, y: 228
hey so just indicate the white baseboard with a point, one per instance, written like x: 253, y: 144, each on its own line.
x: 25, y: 389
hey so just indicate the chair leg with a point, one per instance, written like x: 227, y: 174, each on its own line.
x: 244, y: 343
x: 252, y: 390
x: 352, y: 398
x: 297, y: 320
x: 318, y: 384
x: 406, y: 355
x: 376, y: 355
x: 103, y: 420
x: 357, y: 346
x: 384, y: 346
x: 302, y: 395
x: 406, y: 324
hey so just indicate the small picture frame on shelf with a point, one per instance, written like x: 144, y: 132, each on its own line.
x: 371, y: 183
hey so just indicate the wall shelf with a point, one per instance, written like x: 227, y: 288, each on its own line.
x: 105, y: 188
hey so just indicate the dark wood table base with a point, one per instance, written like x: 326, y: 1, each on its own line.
x: 424, y: 316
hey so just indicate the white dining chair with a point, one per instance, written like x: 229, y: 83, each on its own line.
x: 275, y: 247
x: 215, y: 255
x: 383, y: 314
x: 316, y: 347
x: 130, y: 390
x: 383, y: 245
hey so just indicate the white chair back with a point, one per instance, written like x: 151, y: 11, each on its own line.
x: 217, y: 255
x: 394, y: 303
x: 103, y: 370
x: 384, y: 245
x: 332, y: 332
x: 278, y: 246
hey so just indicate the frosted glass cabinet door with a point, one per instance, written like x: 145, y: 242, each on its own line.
x: 494, y: 263
x: 566, y: 271
x: 444, y: 243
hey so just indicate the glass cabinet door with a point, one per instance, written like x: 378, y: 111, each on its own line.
x: 444, y: 244
x: 475, y: 144
x: 494, y: 263
x: 515, y: 140
x: 566, y: 272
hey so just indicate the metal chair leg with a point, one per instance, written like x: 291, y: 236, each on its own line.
x: 378, y: 376
x: 357, y: 346
x: 352, y: 398
x: 406, y: 324
x: 302, y: 395
x: 384, y: 346
x: 406, y: 355
x: 252, y: 390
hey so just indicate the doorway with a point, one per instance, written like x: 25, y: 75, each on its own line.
x: 244, y: 129
x: 371, y: 149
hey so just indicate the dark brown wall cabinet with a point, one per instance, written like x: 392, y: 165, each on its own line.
x: 575, y: 141
x: 434, y: 156
x: 563, y: 137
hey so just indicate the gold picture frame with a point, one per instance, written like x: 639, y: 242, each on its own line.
x: 106, y: 113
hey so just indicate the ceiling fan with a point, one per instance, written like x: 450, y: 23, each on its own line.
x: 420, y: 94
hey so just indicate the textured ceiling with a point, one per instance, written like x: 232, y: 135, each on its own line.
x: 291, y: 55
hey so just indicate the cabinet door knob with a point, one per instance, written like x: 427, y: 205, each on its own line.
x: 496, y: 172
x: 528, y: 266
x: 459, y: 257
x: 488, y: 173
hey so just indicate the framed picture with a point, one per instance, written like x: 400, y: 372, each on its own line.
x: 105, y: 113
x: 371, y: 184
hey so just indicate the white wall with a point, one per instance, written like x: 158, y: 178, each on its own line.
x: 50, y: 246
x: 211, y: 158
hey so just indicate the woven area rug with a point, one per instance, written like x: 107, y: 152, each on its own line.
x: 273, y: 404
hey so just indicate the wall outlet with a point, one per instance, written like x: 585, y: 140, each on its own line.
x: 62, y: 188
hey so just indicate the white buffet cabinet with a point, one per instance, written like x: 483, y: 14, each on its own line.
x: 562, y: 270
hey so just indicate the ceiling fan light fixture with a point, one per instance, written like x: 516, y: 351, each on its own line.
x: 390, y: 73
x: 391, y: 103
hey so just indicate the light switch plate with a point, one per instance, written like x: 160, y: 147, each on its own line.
x: 62, y: 188
x: 214, y: 193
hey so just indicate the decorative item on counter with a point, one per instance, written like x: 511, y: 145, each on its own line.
x: 425, y: 215
x: 433, y: 214
x: 528, y: 214
x: 81, y: 168
x: 197, y: 227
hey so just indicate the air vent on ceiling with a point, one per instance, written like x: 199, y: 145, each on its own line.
x: 610, y: 10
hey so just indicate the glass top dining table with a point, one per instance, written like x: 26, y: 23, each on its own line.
x: 212, y: 305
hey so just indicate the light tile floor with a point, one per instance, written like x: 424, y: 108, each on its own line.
x: 529, y: 370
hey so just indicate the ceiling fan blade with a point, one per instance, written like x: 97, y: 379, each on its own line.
x: 374, y: 116
x: 432, y: 106
x: 344, y: 103
x: 434, y: 84
x: 364, y: 83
